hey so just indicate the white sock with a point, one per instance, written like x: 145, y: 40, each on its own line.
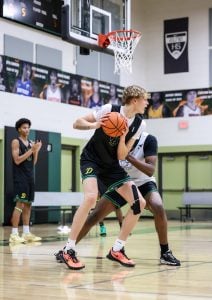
x: 118, y: 245
x: 14, y: 230
x: 71, y: 244
x: 26, y: 229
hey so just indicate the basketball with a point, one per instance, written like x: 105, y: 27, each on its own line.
x: 114, y: 125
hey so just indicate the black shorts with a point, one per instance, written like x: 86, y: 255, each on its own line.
x: 110, y: 178
x: 147, y: 188
x: 24, y: 191
x: 119, y: 201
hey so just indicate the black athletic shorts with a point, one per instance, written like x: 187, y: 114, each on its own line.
x: 110, y: 178
x: 119, y: 201
x: 24, y: 191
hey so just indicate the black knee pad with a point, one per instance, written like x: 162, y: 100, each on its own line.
x: 136, y: 205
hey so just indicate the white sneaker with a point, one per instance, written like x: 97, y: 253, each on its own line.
x: 64, y: 230
x: 16, y: 239
x: 29, y: 237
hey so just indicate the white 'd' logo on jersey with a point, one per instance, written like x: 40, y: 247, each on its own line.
x: 176, y: 43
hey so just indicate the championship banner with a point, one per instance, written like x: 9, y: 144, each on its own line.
x: 176, y: 46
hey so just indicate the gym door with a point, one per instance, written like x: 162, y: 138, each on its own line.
x: 68, y: 169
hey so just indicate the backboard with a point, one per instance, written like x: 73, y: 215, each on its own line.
x: 83, y: 20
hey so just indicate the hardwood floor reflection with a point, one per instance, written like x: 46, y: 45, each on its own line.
x: 30, y: 271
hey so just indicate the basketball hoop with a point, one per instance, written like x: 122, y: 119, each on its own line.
x: 123, y: 43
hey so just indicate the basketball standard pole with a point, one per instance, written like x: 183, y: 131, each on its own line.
x: 127, y: 14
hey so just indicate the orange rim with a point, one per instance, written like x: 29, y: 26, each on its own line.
x: 134, y: 34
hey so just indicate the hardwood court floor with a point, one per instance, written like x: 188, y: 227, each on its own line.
x: 31, y: 272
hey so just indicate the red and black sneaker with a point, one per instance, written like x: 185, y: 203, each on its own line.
x: 120, y: 257
x: 71, y: 260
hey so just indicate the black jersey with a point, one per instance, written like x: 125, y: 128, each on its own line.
x: 103, y: 149
x: 24, y: 171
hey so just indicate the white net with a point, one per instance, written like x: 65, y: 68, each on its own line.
x: 123, y: 43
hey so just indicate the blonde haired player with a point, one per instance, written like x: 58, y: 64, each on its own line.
x: 100, y: 160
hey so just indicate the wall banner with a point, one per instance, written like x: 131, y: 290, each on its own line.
x: 33, y: 80
x: 176, y: 46
x: 180, y: 103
